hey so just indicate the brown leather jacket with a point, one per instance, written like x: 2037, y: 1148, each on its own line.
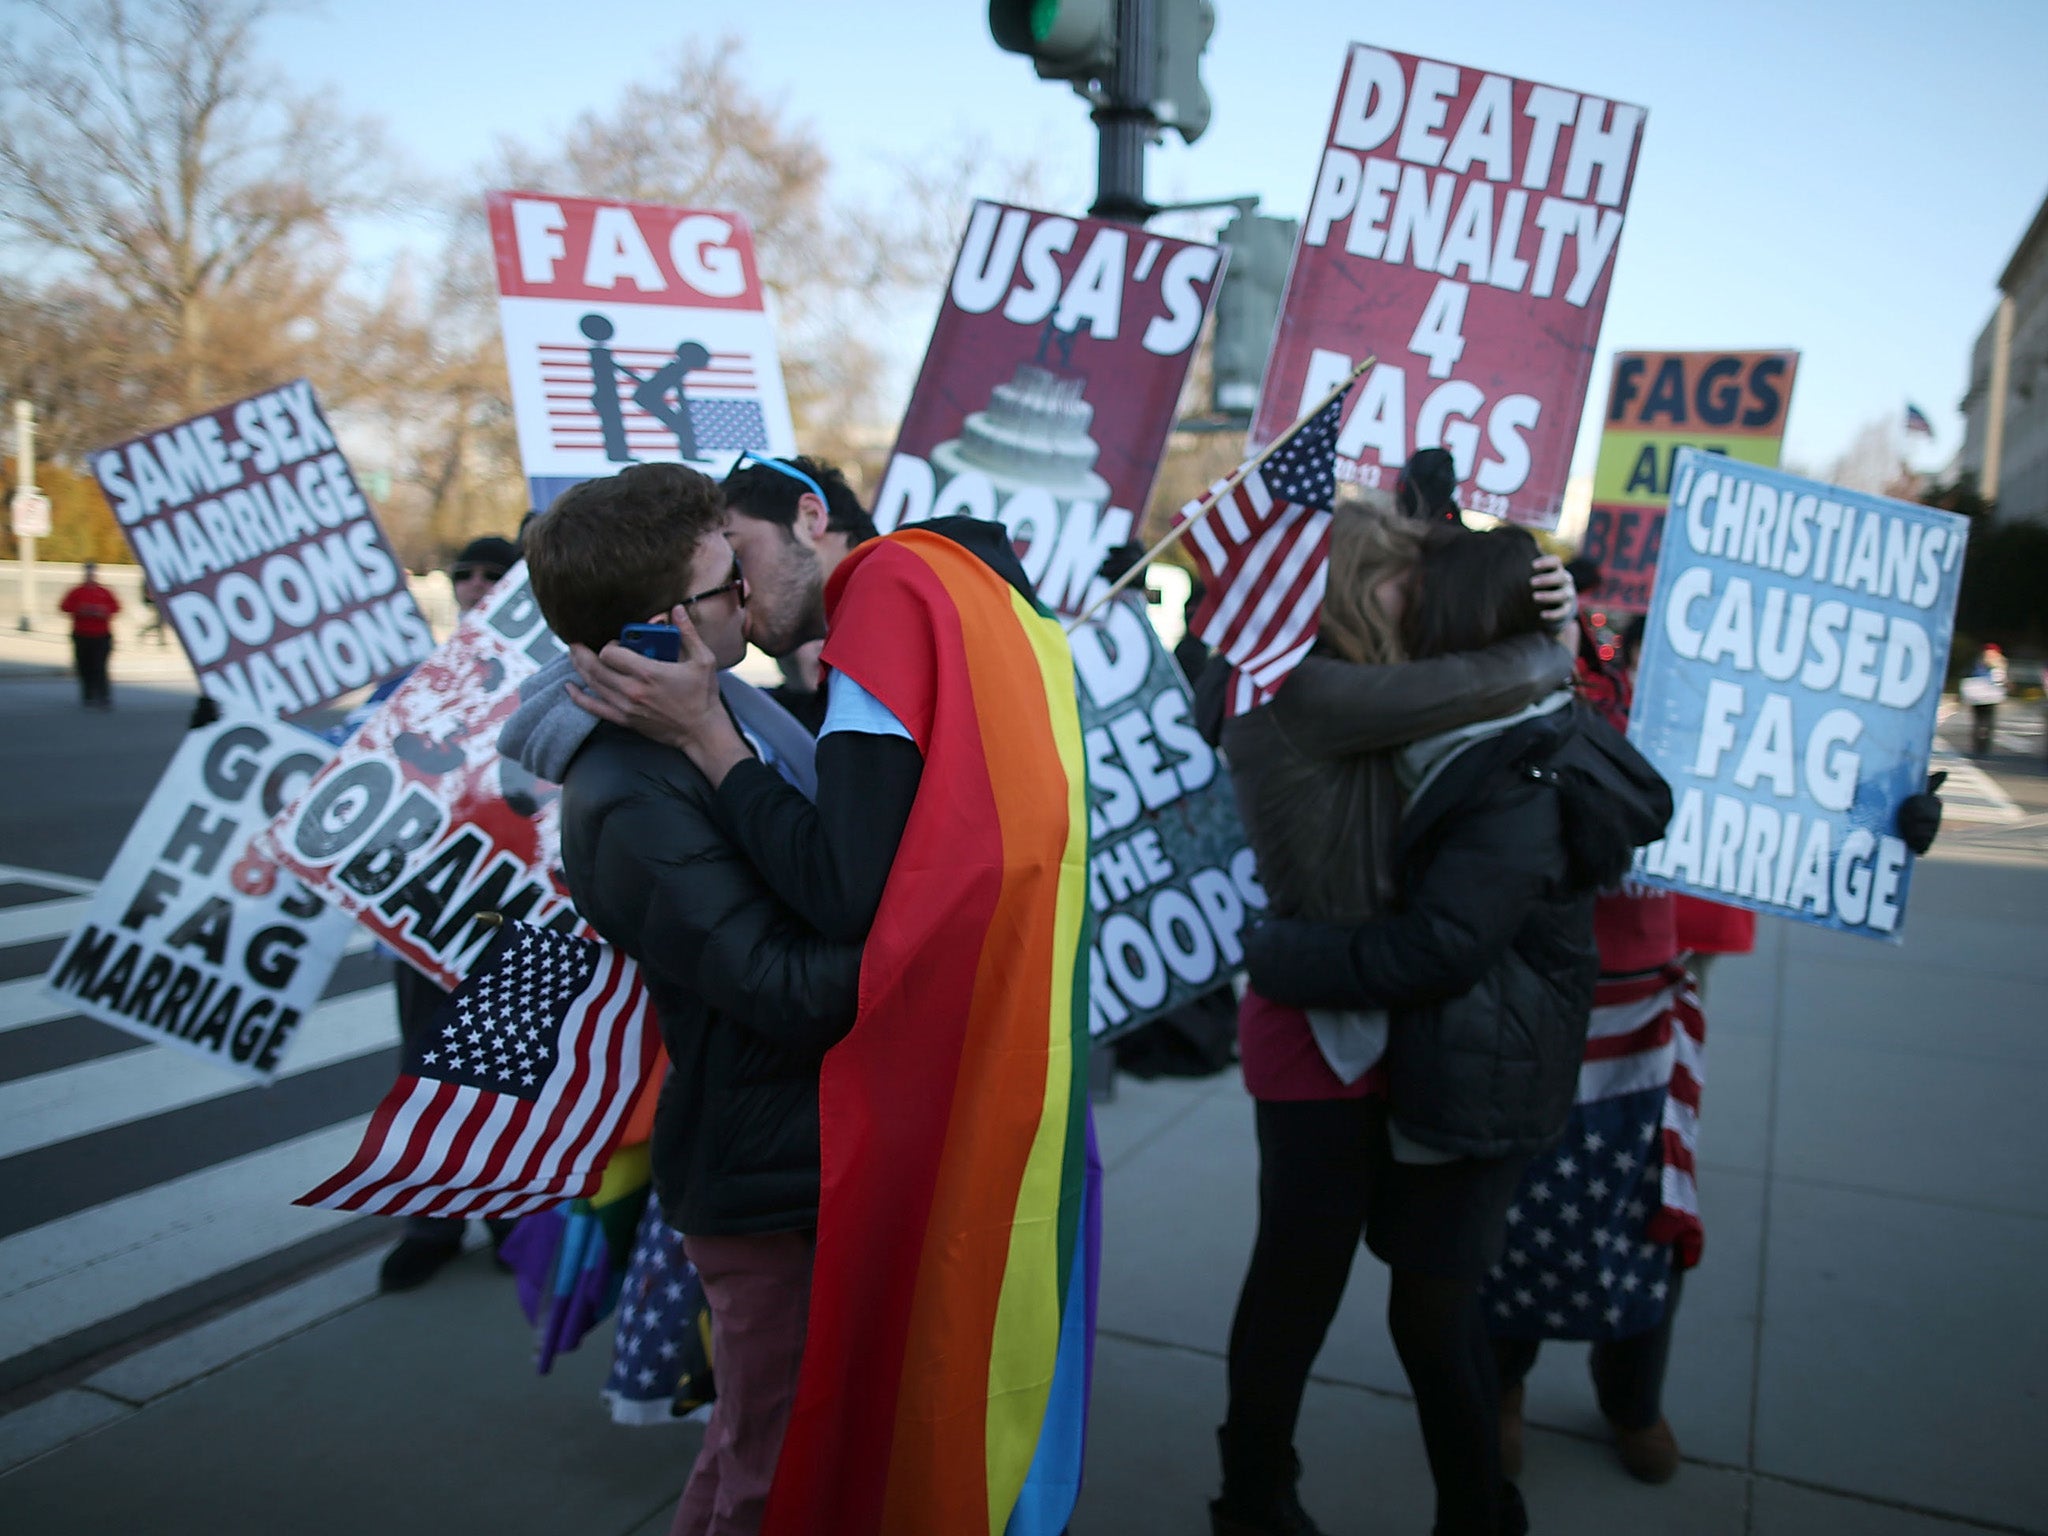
x: 1314, y: 770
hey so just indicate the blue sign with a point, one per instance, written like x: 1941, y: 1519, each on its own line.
x: 1792, y: 664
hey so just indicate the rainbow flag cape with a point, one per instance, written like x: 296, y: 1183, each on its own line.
x: 944, y: 1383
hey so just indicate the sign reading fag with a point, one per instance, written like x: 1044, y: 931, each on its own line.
x: 1049, y: 388
x: 262, y: 552
x: 633, y: 332
x: 1463, y: 228
x: 418, y: 828
x: 192, y: 939
x: 1169, y: 875
x: 1792, y: 666
x: 1730, y: 403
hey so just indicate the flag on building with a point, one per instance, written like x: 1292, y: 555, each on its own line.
x: 514, y: 1099
x: 1264, y: 555
x: 1917, y: 424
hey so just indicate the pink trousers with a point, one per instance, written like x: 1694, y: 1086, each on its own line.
x: 759, y: 1289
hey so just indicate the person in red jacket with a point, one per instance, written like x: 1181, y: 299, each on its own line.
x: 92, y: 608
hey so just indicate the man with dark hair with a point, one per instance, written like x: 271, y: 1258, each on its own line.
x: 1427, y: 489
x: 749, y: 998
x: 91, y: 608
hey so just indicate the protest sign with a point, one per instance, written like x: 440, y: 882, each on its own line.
x: 633, y: 332
x: 1731, y: 403
x: 1463, y: 230
x: 1049, y: 387
x: 193, y: 939
x: 418, y: 827
x: 1170, y: 877
x: 264, y: 555
x: 1792, y: 665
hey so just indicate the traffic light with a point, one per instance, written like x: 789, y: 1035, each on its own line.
x: 1180, y: 31
x: 1248, y: 308
x: 1072, y: 40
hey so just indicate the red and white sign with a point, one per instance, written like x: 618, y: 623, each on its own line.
x: 418, y: 828
x: 264, y: 554
x: 1463, y: 230
x: 633, y: 332
x: 1049, y: 387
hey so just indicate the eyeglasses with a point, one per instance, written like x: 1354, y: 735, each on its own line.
x: 790, y: 470
x: 735, y: 584
x: 465, y: 572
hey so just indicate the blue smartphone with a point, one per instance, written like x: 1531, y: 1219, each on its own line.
x: 657, y: 642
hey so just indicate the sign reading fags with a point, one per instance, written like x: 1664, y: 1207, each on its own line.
x: 1792, y: 666
x: 633, y: 332
x: 264, y: 554
x: 1463, y: 230
x: 195, y: 939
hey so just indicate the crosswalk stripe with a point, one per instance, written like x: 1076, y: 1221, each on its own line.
x: 95, y: 1095
x: 96, y: 1264
x: 24, y: 1002
x: 11, y: 874
x: 42, y: 920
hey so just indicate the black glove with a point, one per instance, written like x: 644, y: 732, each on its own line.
x: 1303, y: 964
x: 1920, y: 815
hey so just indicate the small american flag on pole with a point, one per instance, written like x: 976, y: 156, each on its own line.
x: 513, y: 1099
x: 1264, y: 554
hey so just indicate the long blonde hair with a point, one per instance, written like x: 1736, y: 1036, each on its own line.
x: 1369, y: 542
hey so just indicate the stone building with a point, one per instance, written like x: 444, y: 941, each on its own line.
x: 2005, y: 412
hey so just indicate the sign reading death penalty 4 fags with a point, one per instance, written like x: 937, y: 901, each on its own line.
x: 1463, y: 229
x: 264, y: 555
x: 194, y: 939
x: 1791, y: 671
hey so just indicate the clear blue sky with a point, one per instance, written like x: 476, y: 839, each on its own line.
x: 1845, y: 178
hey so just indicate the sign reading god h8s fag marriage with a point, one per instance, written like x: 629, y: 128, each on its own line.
x: 263, y: 554
x: 1463, y: 230
x: 633, y: 332
x: 1792, y: 665
x: 194, y: 939
x: 1731, y: 403
x: 1049, y: 387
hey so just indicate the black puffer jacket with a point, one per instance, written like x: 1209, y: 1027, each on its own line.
x: 1486, y: 964
x: 749, y: 998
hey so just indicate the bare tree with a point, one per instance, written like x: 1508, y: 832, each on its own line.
x: 1873, y: 462
x: 157, y: 175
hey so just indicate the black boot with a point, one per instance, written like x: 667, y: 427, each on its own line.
x: 415, y: 1261
x: 1258, y: 1492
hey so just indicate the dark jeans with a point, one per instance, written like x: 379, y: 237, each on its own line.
x: 1326, y: 1178
x: 1983, y: 724
x: 89, y: 653
x: 1628, y: 1374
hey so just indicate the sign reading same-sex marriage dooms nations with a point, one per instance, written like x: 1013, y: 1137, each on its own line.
x: 1049, y: 387
x: 1169, y: 875
x: 1463, y: 230
x: 1730, y: 403
x: 195, y: 938
x: 264, y: 555
x: 633, y: 332
x: 1792, y: 665
x: 418, y: 828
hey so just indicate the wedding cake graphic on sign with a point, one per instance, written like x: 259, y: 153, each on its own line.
x: 1034, y: 432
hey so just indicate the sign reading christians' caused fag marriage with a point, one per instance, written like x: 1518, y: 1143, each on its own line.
x: 263, y: 554
x: 193, y: 939
x: 1050, y: 386
x: 1792, y: 666
x: 632, y: 332
x: 1730, y: 403
x: 1463, y: 230
x: 418, y: 828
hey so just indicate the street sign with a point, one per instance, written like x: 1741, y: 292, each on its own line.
x: 31, y: 512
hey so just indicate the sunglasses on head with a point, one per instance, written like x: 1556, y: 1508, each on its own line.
x: 464, y: 572
x: 790, y: 470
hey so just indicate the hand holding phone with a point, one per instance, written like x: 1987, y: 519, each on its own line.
x: 657, y: 642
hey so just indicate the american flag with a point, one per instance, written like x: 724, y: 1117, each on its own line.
x: 661, y: 1351
x: 1264, y: 554
x: 1600, y: 1218
x: 512, y: 1101
x: 1917, y: 423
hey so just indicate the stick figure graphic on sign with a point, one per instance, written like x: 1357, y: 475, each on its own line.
x: 604, y: 388
x: 653, y: 395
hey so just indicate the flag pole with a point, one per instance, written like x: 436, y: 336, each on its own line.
x: 1180, y: 530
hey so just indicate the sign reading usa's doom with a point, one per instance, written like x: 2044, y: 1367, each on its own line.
x: 1463, y: 230
x: 1730, y: 403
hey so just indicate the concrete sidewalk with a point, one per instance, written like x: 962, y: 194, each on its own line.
x: 1861, y: 1352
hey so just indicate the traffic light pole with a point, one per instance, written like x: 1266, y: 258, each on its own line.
x: 1124, y: 123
